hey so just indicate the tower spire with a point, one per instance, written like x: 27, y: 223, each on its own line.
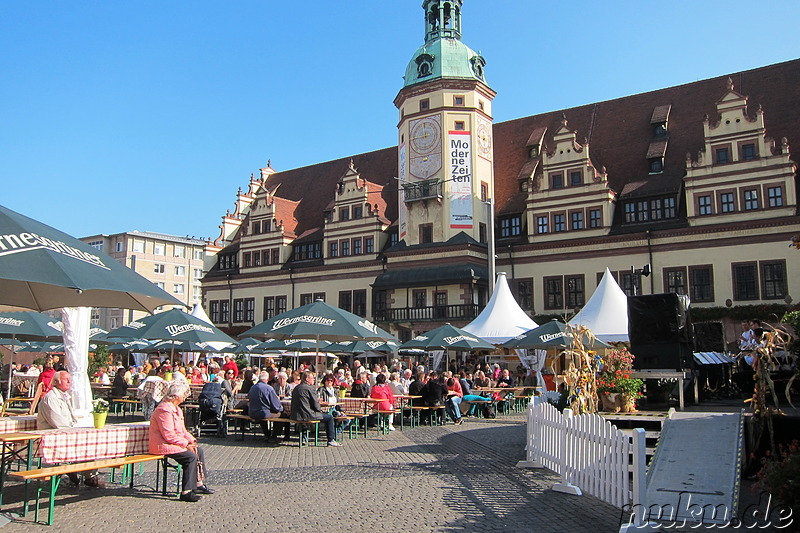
x: 442, y: 19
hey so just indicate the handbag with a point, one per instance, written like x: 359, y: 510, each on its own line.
x: 201, y: 473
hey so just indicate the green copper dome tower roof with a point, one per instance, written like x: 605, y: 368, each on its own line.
x: 443, y: 55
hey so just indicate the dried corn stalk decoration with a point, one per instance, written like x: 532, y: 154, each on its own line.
x: 764, y: 362
x: 581, y: 371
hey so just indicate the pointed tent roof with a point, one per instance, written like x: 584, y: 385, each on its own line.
x: 606, y: 312
x: 502, y: 319
x: 199, y: 312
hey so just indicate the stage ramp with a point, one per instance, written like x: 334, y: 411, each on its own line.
x: 695, y: 472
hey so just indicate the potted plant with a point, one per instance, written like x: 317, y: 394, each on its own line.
x: 615, y: 379
x: 342, y: 390
x: 99, y: 412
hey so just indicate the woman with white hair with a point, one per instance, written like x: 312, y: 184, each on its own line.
x: 168, y: 436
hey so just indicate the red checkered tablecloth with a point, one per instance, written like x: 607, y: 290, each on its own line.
x: 88, y: 444
x: 12, y: 424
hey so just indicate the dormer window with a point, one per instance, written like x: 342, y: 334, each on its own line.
x: 358, y: 211
x: 344, y: 214
x: 557, y: 181
x: 534, y: 152
x: 424, y: 65
x: 575, y: 178
x: 656, y: 166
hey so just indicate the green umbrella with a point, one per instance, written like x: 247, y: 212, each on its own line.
x: 448, y: 337
x: 292, y: 345
x: 42, y: 268
x: 45, y: 347
x: 363, y: 346
x: 553, y: 334
x: 171, y: 325
x: 246, y: 346
x: 319, y: 320
x: 131, y: 346
x: 180, y: 346
x: 27, y: 325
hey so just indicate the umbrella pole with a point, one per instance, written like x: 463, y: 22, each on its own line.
x: 11, y: 360
x: 316, y: 357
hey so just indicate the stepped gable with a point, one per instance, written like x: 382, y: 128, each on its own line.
x: 314, y: 186
x: 619, y: 131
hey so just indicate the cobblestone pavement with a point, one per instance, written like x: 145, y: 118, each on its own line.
x: 446, y: 478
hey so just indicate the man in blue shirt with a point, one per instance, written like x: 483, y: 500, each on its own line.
x: 264, y: 404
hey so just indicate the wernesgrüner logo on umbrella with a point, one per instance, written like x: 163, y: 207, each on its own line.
x: 28, y: 242
x: 453, y: 340
x: 321, y: 320
x: 11, y: 322
x: 550, y: 336
x: 174, y: 329
x: 366, y: 324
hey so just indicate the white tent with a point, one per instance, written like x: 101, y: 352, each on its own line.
x: 606, y: 312
x: 502, y: 319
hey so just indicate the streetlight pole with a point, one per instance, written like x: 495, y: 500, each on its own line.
x: 490, y: 248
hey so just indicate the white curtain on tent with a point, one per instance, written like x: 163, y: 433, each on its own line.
x: 77, y: 321
x: 138, y: 358
x: 537, y: 359
x: 437, y: 358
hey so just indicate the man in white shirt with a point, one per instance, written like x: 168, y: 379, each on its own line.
x: 55, y: 412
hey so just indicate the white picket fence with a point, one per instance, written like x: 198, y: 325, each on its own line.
x: 589, y: 453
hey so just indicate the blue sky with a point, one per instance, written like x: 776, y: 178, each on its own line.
x: 148, y: 115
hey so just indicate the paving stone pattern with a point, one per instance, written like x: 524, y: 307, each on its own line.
x: 446, y: 478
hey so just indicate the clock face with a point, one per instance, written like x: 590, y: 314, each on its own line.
x: 425, y: 140
x: 484, y: 134
x: 426, y: 136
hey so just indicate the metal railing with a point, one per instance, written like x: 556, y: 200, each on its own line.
x: 430, y: 313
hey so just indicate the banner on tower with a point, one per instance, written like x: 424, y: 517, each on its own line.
x: 459, y: 157
x: 403, y: 177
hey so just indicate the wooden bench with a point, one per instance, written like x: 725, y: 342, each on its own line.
x: 249, y: 420
x: 352, y: 432
x: 123, y: 403
x: 54, y: 473
x: 304, y: 429
x: 357, y: 419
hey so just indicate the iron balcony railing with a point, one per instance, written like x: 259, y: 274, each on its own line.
x: 422, y: 190
x: 431, y: 313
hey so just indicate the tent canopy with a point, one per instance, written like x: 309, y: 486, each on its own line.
x: 502, y: 319
x: 606, y: 312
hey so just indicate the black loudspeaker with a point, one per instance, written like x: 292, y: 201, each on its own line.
x: 708, y: 337
x: 660, y: 331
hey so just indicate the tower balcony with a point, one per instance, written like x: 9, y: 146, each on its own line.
x: 422, y: 190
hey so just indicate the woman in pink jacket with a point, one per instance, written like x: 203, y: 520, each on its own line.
x: 382, y: 391
x: 168, y: 436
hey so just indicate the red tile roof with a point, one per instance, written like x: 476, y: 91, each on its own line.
x: 619, y: 133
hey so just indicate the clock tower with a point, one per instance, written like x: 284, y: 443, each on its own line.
x: 444, y: 135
